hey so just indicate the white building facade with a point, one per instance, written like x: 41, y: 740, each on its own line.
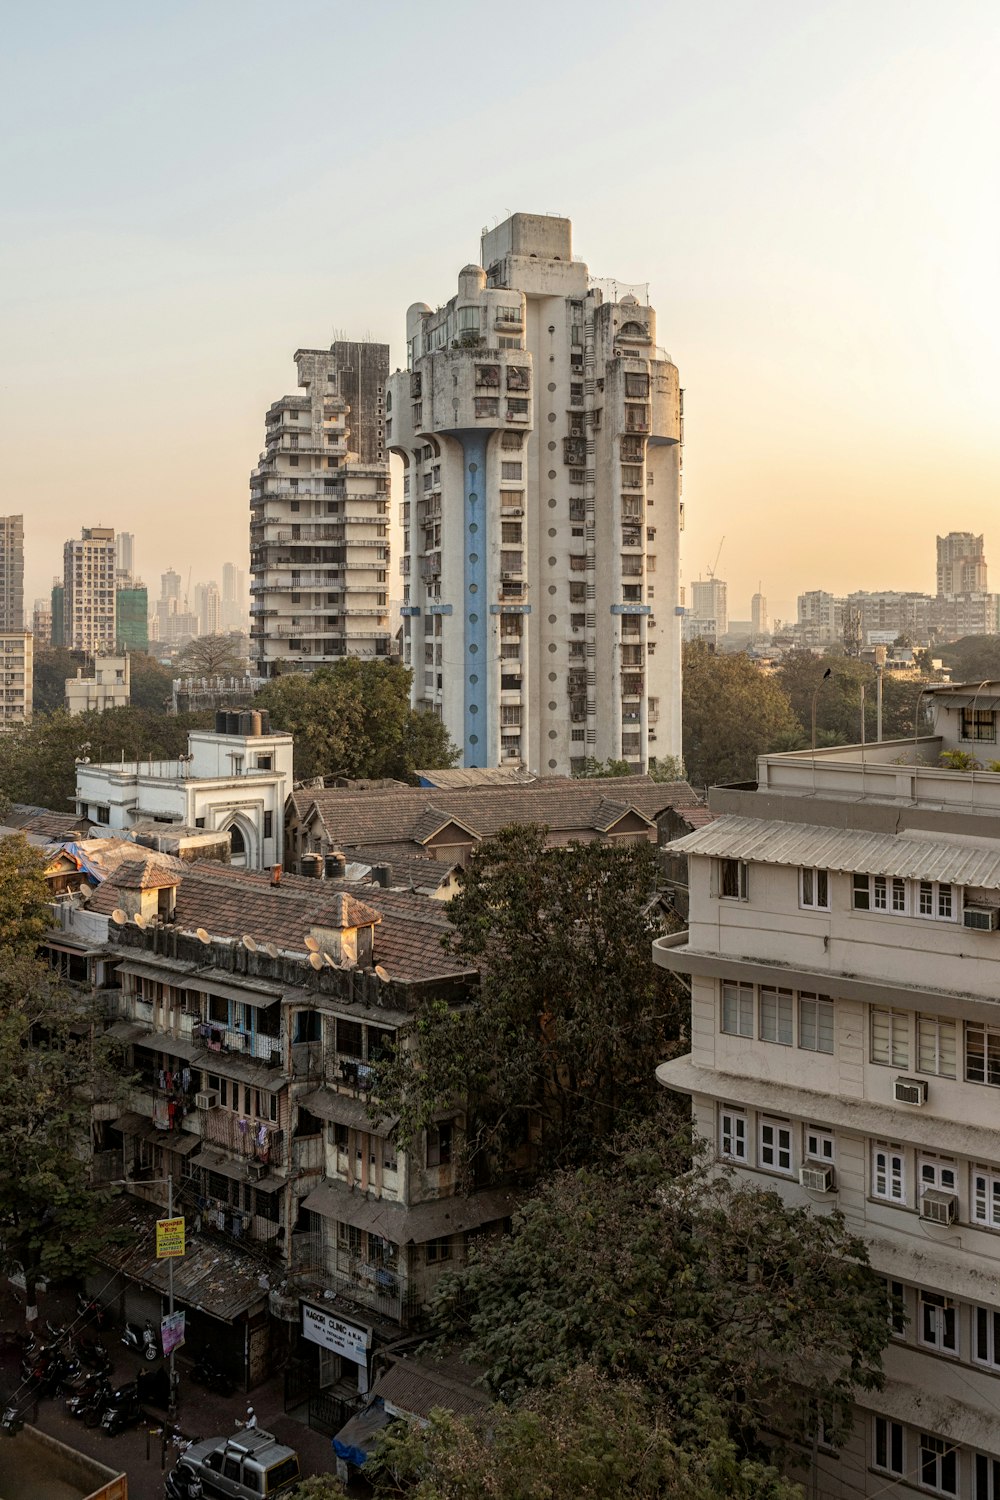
x: 89, y: 591
x: 844, y: 955
x: 233, y: 781
x: 540, y: 428
x: 319, y: 509
x: 109, y: 687
x: 16, y: 665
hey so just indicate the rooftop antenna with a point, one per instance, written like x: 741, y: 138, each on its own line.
x: 249, y: 943
x: 202, y: 935
x: 118, y: 917
x: 315, y: 961
x: 381, y: 973
x: 311, y: 943
x: 271, y: 950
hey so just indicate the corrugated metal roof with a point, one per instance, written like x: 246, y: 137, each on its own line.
x: 910, y: 856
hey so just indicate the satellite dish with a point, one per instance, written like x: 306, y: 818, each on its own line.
x: 271, y: 950
x: 249, y: 943
x: 331, y: 963
x: 315, y: 960
x: 118, y: 917
x: 381, y: 972
x: 139, y: 919
x: 311, y: 943
x: 202, y: 935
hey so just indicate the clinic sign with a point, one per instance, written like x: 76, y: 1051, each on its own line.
x: 334, y: 1334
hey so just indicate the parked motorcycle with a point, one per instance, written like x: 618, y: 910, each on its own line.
x: 142, y: 1341
x: 123, y: 1410
x: 45, y: 1370
x: 183, y: 1484
x: 94, y: 1355
x: 90, y: 1310
x: 92, y: 1397
x: 211, y: 1377
x: 17, y: 1410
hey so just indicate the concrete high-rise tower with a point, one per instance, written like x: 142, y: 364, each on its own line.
x: 540, y: 428
x: 758, y: 614
x: 961, y: 565
x: 125, y: 556
x: 319, y: 515
x: 11, y: 572
x: 89, y: 591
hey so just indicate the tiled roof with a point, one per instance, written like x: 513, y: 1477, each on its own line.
x: 142, y: 875
x: 475, y: 776
x: 408, y: 870
x: 419, y: 1386
x: 565, y: 805
x: 42, y: 820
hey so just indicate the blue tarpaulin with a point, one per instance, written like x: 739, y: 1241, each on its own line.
x: 356, y: 1439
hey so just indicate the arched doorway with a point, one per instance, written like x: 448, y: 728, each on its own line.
x: 242, y: 845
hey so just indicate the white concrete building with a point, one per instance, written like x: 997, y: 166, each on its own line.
x: 540, y: 428
x: 109, y: 687
x: 844, y: 954
x: 319, y: 515
x: 709, y: 602
x: 16, y: 663
x: 234, y: 780
x: 89, y: 591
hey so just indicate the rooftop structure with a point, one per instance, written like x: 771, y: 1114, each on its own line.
x: 109, y: 686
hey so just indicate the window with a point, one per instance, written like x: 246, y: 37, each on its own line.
x: 814, y: 889
x: 888, y: 1172
x: 815, y: 1023
x: 938, y: 1465
x: 890, y: 1038
x: 979, y: 724
x: 986, y: 1478
x: 986, y: 1197
x: 888, y: 1446
x: 775, y: 1145
x: 438, y: 1250
x: 986, y: 1339
x: 439, y: 1140
x: 934, y: 900
x: 982, y: 1053
x: 268, y: 825
x: 737, y: 1009
x: 776, y: 1010
x: 937, y: 1172
x: 820, y: 1144
x: 510, y: 470
x: 897, y: 1307
x: 936, y: 1047
x: 733, y: 880
x: 733, y: 1135
x: 879, y: 893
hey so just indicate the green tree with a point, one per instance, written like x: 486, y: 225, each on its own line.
x: 975, y: 658
x: 584, y: 1438
x: 151, y: 684
x: 52, y: 1221
x: 571, y: 1008
x: 732, y: 713
x: 598, y: 768
x: 214, y: 656
x: 834, y: 683
x: 707, y: 1291
x: 354, y: 719
x: 318, y: 1487
x: 51, y: 665
x: 38, y: 759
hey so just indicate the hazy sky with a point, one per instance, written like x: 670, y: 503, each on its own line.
x: 191, y: 191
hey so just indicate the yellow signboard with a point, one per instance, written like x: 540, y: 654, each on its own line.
x: 169, y: 1238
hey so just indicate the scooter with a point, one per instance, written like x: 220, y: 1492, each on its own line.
x: 142, y: 1340
x: 91, y: 1310
x: 16, y: 1411
x: 183, y: 1484
x: 93, y: 1410
x: 123, y: 1410
x: 212, y: 1378
x: 94, y: 1355
x: 80, y: 1400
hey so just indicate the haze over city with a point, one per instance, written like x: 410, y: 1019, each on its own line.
x: 191, y: 195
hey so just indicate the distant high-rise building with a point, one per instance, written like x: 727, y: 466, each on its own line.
x: 540, y: 427
x: 208, y: 608
x: 132, y: 616
x: 58, y: 611
x: 708, y: 602
x: 16, y: 654
x: 234, y: 588
x: 319, y: 515
x: 11, y: 573
x: 125, y: 554
x: 961, y: 565
x: 758, y: 614
x: 41, y: 621
x: 89, y: 584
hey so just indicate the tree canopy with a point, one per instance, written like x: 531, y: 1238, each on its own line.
x: 214, y: 656
x: 354, y: 719
x: 557, y: 1048
x: 838, y: 698
x: 151, y: 685
x: 712, y: 1294
x: 51, y: 665
x: 732, y: 713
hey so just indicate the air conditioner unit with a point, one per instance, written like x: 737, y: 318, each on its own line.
x: 909, y: 1091
x: 937, y: 1207
x: 256, y: 1170
x: 981, y: 918
x: 818, y: 1176
x: 206, y: 1099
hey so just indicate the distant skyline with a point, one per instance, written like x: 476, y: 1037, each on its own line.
x: 809, y: 190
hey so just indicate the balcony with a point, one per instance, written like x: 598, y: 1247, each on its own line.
x: 221, y: 1127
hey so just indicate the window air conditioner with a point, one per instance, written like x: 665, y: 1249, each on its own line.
x: 206, y: 1099
x: 818, y: 1176
x: 909, y: 1091
x: 937, y: 1207
x: 256, y: 1170
x: 981, y: 918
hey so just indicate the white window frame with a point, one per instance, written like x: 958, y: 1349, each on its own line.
x: 986, y: 1338
x: 743, y: 1001
x: 984, y: 1196
x: 940, y: 1314
x: 884, y: 1431
x: 932, y: 1031
x: 937, y: 1172
x: 888, y: 1177
x: 897, y: 1040
x: 742, y: 882
x: 895, y: 1291
x: 942, y: 901
x: 989, y: 1034
x: 941, y: 1448
x: 734, y: 1134
x: 819, y: 1143
x: 775, y: 1152
x: 814, y: 888
x: 985, y: 1477
x: 776, y: 1015
x: 813, y: 1011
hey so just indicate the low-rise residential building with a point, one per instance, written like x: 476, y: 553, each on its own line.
x: 844, y: 955
x: 108, y: 687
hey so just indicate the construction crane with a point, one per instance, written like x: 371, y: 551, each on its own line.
x: 712, y: 566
